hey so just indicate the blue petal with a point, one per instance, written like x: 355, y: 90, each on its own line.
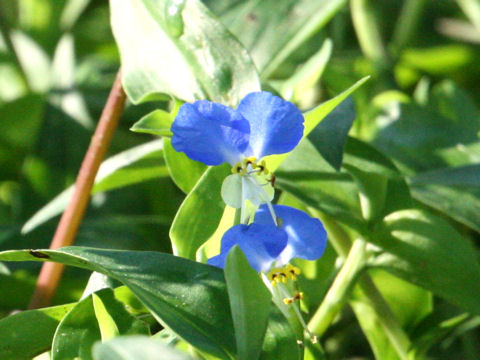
x: 276, y: 125
x: 307, y: 237
x: 211, y: 133
x: 261, y: 244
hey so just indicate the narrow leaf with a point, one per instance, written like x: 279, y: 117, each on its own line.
x: 199, y: 215
x: 141, y: 163
x: 175, y: 290
x: 136, y: 348
x: 250, y: 302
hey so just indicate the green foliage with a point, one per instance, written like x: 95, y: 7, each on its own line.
x: 136, y: 347
x: 30, y: 333
x: 250, y: 302
x: 200, y: 57
x: 391, y: 163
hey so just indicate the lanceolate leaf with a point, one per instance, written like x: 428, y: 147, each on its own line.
x: 250, y: 302
x: 426, y: 250
x: 29, y: 333
x: 136, y: 348
x: 95, y: 318
x: 314, y: 117
x: 201, y: 211
x: 179, y: 48
x: 188, y: 297
x: 141, y: 163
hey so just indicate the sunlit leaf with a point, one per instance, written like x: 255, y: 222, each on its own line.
x: 179, y: 48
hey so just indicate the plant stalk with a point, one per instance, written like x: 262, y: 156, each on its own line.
x: 339, y: 292
x: 67, y: 229
x: 341, y: 242
x: 387, y: 319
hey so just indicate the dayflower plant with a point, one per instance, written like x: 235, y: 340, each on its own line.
x: 262, y: 124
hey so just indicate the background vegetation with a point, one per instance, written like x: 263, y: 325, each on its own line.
x: 420, y: 110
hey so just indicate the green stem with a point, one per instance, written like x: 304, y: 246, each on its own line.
x: 341, y: 242
x: 407, y: 23
x: 366, y: 27
x: 388, y: 321
x: 339, y: 292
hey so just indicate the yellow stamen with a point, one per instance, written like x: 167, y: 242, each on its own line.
x: 297, y: 297
x: 282, y: 275
x: 249, y: 164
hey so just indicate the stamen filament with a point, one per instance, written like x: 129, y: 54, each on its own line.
x: 285, y: 292
x: 264, y: 196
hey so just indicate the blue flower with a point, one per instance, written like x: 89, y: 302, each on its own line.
x: 265, y: 244
x: 212, y: 133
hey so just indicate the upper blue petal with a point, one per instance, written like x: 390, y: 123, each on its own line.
x: 261, y: 244
x: 307, y: 237
x: 211, y: 133
x: 276, y: 125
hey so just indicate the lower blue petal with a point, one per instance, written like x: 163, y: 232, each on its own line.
x: 261, y: 244
x: 211, y: 133
x: 276, y: 125
x: 307, y: 238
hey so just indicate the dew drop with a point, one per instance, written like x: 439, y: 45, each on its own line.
x: 173, y: 17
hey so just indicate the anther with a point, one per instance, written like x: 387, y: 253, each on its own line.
x: 284, y: 274
x: 297, y: 297
x: 237, y: 169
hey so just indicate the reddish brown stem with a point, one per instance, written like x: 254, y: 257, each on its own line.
x: 51, y: 273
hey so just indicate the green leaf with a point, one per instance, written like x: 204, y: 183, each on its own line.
x: 179, y: 48
x: 427, y: 251
x: 76, y: 333
x: 250, y: 302
x: 175, y: 290
x: 199, y: 215
x: 372, y: 192
x: 363, y: 156
x: 308, y: 177
x: 329, y: 137
x: 409, y: 303
x: 256, y: 24
x: 304, y: 79
x: 280, y: 340
x: 314, y: 117
x: 461, y: 204
x: 107, y: 326
x: 136, y: 348
x: 462, y: 176
x: 433, y: 329
x: 420, y: 150
x: 184, y: 171
x: 138, y: 164
x: 29, y: 333
x: 157, y: 122
x: 97, y: 317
